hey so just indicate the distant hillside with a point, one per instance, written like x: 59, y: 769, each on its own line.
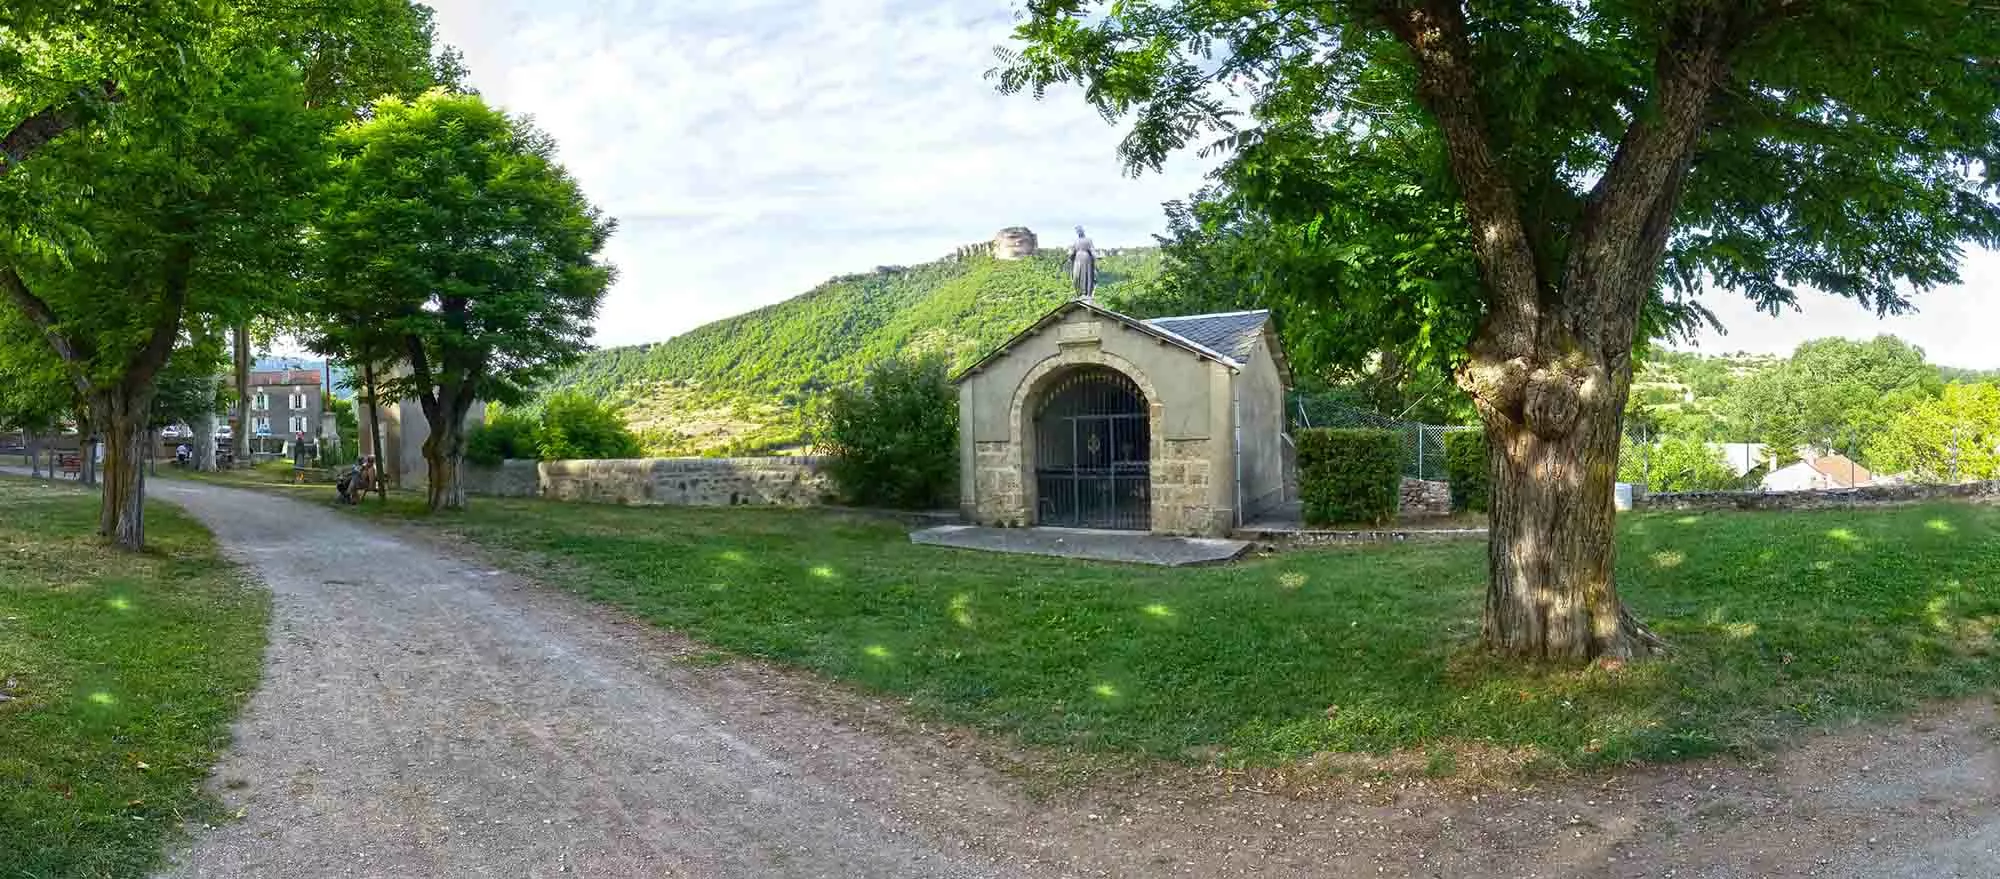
x: 741, y: 385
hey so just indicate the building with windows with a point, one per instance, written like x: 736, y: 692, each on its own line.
x: 285, y: 403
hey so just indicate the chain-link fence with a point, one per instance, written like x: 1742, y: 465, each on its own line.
x: 1423, y: 444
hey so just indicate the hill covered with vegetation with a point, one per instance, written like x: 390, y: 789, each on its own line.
x: 745, y: 385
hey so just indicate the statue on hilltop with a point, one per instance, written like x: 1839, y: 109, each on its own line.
x: 1083, y: 266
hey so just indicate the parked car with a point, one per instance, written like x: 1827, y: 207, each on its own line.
x: 225, y: 432
x: 176, y: 431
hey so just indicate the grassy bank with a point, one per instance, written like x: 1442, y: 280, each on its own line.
x: 1779, y: 622
x: 123, y: 671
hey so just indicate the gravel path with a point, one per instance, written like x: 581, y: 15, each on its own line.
x: 424, y: 714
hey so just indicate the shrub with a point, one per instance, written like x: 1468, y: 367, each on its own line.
x: 504, y: 435
x: 894, y: 438
x: 1465, y: 465
x: 1350, y: 476
x: 571, y: 427
x: 576, y: 427
x: 1676, y: 464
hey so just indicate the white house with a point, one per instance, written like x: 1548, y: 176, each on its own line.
x: 1818, y: 473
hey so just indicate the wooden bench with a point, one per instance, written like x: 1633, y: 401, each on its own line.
x: 70, y: 464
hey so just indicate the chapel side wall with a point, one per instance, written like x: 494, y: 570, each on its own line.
x: 1261, y: 402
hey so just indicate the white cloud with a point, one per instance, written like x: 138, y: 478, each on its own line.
x: 1954, y: 325
x: 754, y: 151
x: 754, y: 148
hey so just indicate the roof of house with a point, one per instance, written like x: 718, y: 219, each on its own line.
x: 1842, y: 470
x: 285, y: 377
x: 1237, y: 331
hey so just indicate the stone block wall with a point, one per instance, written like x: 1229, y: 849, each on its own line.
x: 510, y: 479
x: 796, y: 482
x: 997, y: 488
x: 1873, y: 495
x: 1424, y: 497
x: 1182, y: 489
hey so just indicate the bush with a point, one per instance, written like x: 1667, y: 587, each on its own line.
x: 1466, y: 466
x: 894, y: 438
x: 1676, y: 464
x: 578, y: 428
x: 571, y: 427
x: 504, y: 435
x: 1350, y: 476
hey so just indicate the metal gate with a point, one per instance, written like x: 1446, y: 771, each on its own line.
x: 1093, y: 448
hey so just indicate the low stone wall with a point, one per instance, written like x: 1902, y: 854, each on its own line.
x: 1874, y: 495
x: 792, y: 482
x: 510, y: 479
x: 1424, y: 497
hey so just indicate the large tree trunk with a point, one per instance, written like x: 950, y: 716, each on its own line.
x: 1550, y: 555
x: 204, y: 442
x: 444, y: 453
x: 122, y: 416
x: 241, y: 430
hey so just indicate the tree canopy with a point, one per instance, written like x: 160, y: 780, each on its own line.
x: 155, y: 179
x: 1833, y: 394
x: 449, y: 234
x: 1337, y: 122
x: 1953, y: 437
x: 1522, y: 191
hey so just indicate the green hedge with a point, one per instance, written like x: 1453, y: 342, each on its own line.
x: 1465, y: 465
x: 1350, y: 476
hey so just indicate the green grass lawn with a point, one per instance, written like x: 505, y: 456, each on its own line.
x: 124, y: 671
x: 1779, y: 622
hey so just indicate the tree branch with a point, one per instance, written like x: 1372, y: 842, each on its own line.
x: 1435, y: 32
x: 1616, y: 249
x: 147, y: 361
x: 420, y: 372
x: 39, y: 129
x: 68, y: 350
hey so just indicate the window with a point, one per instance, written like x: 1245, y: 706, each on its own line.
x: 260, y: 425
x: 261, y: 403
x: 298, y: 424
x: 298, y: 402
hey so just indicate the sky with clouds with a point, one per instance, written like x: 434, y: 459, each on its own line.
x: 753, y: 148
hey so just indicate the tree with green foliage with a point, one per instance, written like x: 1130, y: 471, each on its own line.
x: 352, y: 52
x: 506, y: 435
x: 170, y: 188
x: 35, y: 391
x: 449, y: 230
x: 893, y: 436
x: 1951, y: 438
x: 1834, y: 394
x: 1527, y: 189
x: 186, y: 389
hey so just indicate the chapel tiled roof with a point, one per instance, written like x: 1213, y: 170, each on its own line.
x: 1232, y: 334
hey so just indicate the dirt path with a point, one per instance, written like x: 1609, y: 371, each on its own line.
x: 425, y: 714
